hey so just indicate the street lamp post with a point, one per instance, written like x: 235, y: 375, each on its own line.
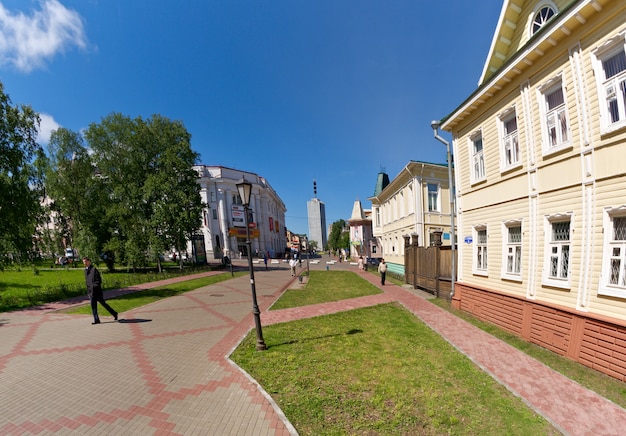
x: 245, y: 189
x: 435, y: 127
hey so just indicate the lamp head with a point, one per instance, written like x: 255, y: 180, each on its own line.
x: 245, y: 188
x: 435, y: 125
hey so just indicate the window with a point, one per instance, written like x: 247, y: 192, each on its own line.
x: 480, y: 253
x: 557, y: 127
x: 614, y: 261
x: 617, y: 275
x: 510, y: 141
x: 433, y: 197
x: 615, y: 85
x: 433, y: 239
x: 214, y: 213
x: 610, y: 68
x: 557, y: 261
x: 543, y: 15
x: 478, y: 159
x: 377, y: 217
x: 512, y: 262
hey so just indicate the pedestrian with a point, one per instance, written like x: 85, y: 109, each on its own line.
x: 94, y: 291
x: 382, y: 269
x: 293, y: 263
x: 360, y: 263
x: 265, y: 260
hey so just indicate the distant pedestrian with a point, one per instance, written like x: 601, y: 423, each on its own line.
x: 265, y: 260
x: 382, y: 269
x: 293, y: 263
x: 360, y: 263
x: 94, y: 290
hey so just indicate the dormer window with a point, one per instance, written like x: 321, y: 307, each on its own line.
x: 542, y: 16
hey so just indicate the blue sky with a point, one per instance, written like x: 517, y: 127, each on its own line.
x: 331, y: 90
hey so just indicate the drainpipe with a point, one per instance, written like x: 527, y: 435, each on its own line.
x: 435, y: 127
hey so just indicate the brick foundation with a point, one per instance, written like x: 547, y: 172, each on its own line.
x: 597, y: 343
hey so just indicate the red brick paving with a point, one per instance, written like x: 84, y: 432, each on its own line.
x: 164, y: 369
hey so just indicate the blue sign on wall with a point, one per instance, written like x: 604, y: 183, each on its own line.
x: 446, y: 236
x: 468, y: 240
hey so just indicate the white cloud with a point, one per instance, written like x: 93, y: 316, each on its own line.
x: 46, y: 127
x: 26, y: 42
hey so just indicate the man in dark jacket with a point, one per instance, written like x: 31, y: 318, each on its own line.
x: 94, y: 290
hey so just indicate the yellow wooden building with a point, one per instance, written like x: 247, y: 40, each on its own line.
x: 540, y: 159
x: 415, y: 202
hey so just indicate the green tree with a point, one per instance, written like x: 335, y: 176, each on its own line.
x: 19, y: 193
x: 146, y: 166
x: 334, y: 239
x: 77, y: 192
x: 171, y: 187
x: 127, y: 190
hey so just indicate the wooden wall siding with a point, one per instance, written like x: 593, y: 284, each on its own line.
x: 597, y: 344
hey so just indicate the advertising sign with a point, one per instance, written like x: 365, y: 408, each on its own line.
x: 238, y: 215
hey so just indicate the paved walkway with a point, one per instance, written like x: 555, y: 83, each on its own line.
x: 163, y: 368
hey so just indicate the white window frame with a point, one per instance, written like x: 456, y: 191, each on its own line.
x: 538, y: 8
x: 555, y: 249
x: 510, y: 250
x: 437, y: 205
x: 477, y: 158
x: 609, y: 255
x: 509, y: 142
x: 554, y: 116
x: 480, y: 250
x: 617, y: 83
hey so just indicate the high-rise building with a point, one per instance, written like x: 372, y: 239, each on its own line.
x: 317, y: 220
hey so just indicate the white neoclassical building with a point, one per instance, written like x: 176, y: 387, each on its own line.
x: 223, y: 231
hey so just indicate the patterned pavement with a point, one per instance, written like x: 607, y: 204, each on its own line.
x: 163, y: 368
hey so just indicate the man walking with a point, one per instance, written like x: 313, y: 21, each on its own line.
x: 94, y: 291
x: 382, y: 269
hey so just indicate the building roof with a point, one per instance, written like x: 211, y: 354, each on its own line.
x: 514, y: 51
x: 381, y: 183
x: 357, y: 211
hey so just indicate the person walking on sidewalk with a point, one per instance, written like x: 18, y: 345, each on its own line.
x: 293, y: 263
x: 94, y: 291
x: 382, y: 269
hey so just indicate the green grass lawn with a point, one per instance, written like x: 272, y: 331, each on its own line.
x: 27, y: 287
x: 124, y: 303
x: 375, y: 370
x: 379, y: 370
x: 326, y: 286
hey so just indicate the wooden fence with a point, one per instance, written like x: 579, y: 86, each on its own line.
x: 428, y: 268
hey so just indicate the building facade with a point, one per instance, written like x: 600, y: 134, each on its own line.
x: 540, y: 183
x: 316, y: 213
x: 361, y: 237
x: 223, y: 231
x: 416, y: 201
